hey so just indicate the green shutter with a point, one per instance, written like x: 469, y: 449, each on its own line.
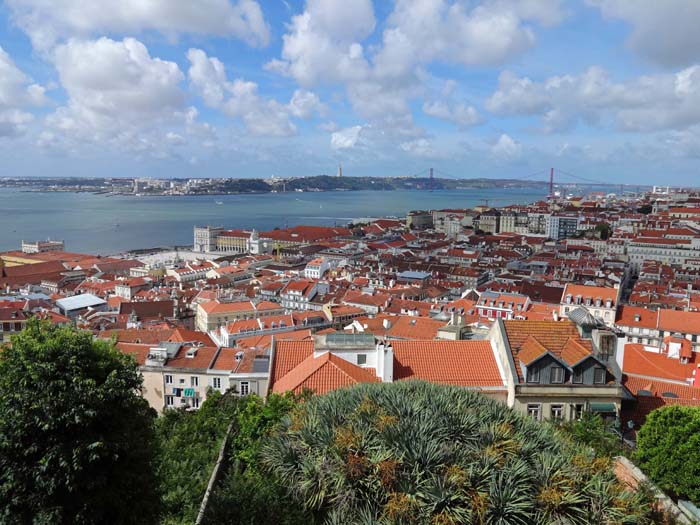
x: 603, y: 407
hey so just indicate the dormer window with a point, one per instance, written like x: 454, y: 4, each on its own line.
x: 577, y: 377
x: 533, y: 375
x: 557, y: 374
x: 599, y: 376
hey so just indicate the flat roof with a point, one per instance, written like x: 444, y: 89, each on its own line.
x: 77, y: 302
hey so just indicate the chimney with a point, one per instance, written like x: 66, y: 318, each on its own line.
x: 385, y: 362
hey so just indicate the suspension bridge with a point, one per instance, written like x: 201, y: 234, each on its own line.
x: 550, y: 178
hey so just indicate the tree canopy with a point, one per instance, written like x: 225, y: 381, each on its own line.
x: 415, y: 452
x: 189, y: 445
x: 77, y: 443
x: 668, y: 450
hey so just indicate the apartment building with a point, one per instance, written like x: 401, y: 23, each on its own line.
x: 559, y: 370
x: 599, y: 301
x: 211, y: 315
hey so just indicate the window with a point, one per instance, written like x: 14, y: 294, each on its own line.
x: 216, y: 382
x: 533, y: 375
x: 534, y: 411
x: 361, y: 359
x: 578, y: 375
x: 557, y: 412
x: 243, y: 388
x: 195, y: 402
x: 169, y: 401
x: 168, y: 379
x: 577, y: 411
x: 194, y: 381
x: 599, y: 376
x: 557, y: 374
x: 182, y: 380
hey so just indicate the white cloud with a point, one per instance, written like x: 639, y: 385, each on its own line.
x: 121, y: 97
x: 325, y: 45
x: 664, y: 31
x: 17, y: 92
x: 322, y: 42
x: 306, y: 104
x: 418, y: 147
x: 50, y: 21
x: 346, y: 138
x: 112, y: 85
x: 488, y: 33
x: 648, y: 103
x: 506, y: 148
x: 460, y: 114
x: 240, y: 98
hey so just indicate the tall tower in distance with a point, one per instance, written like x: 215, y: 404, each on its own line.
x: 340, y: 170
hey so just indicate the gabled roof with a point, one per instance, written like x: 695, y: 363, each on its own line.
x: 323, y: 374
x: 531, y: 350
x: 554, y: 337
x: 574, y: 352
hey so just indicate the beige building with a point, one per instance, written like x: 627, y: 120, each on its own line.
x: 181, y: 375
x: 598, y: 301
x: 212, y: 315
x: 559, y: 370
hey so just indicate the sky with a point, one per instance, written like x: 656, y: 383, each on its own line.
x: 606, y: 90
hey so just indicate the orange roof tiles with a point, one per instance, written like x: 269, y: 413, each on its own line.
x: 463, y: 363
x: 202, y: 358
x: 323, y: 374
x: 553, y: 336
x: 593, y: 292
x: 531, y: 350
x: 678, y: 321
x: 287, y: 355
x: 138, y: 351
x: 640, y: 362
x: 628, y: 315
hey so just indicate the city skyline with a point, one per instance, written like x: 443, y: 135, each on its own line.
x: 605, y: 89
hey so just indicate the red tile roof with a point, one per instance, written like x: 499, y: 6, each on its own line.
x: 553, y: 336
x: 640, y: 362
x: 323, y: 374
x: 463, y: 363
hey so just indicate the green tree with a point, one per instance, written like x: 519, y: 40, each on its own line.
x: 247, y: 495
x: 77, y: 443
x: 189, y: 445
x: 668, y: 450
x: 646, y: 209
x: 420, y: 453
x: 603, y: 231
x: 591, y: 431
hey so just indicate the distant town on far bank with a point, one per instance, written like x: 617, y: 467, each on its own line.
x: 426, y: 180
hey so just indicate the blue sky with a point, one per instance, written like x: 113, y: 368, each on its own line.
x: 602, y: 89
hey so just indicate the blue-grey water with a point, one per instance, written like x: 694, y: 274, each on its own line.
x: 104, y: 224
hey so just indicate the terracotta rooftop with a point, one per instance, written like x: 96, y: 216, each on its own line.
x: 655, y: 365
x: 552, y: 336
x: 463, y: 363
x: 323, y: 374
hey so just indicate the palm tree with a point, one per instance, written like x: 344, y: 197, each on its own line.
x: 415, y: 452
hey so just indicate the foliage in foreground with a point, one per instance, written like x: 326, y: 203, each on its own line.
x: 590, y: 431
x: 189, y: 445
x: 246, y: 495
x: 415, y: 452
x: 668, y: 450
x: 76, y: 440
